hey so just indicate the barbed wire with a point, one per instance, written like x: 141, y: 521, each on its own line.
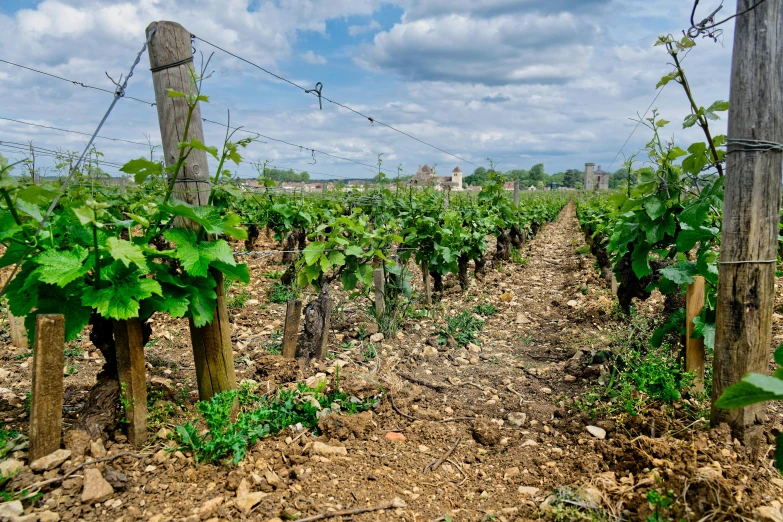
x: 320, y: 96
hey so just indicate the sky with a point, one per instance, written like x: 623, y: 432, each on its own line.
x: 518, y: 81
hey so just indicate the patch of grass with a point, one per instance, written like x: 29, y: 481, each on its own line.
x: 281, y: 294
x: 568, y: 505
x: 72, y: 369
x: 369, y: 352
x: 259, y: 416
x: 238, y: 300
x: 516, y: 257
x: 485, y: 309
x: 73, y: 351
x: 273, y: 274
x: 275, y: 343
x: 660, y: 503
x: 583, y: 250
x: 640, y: 374
x: 159, y: 411
x: 582, y: 289
x: 463, y: 327
x: 23, y: 356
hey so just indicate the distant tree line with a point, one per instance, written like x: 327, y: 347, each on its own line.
x: 538, y: 177
x: 286, y: 175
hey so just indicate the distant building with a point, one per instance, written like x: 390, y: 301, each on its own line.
x: 425, y: 177
x: 595, y: 179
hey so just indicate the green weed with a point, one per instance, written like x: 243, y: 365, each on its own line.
x: 660, y: 502
x: 273, y: 274
x: 369, y: 352
x: 516, y: 257
x: 239, y: 300
x: 22, y: 356
x: 281, y: 294
x: 73, y: 351
x: 275, y: 343
x: 159, y: 411
x: 463, y: 327
x: 259, y: 416
x: 583, y: 250
x: 485, y: 309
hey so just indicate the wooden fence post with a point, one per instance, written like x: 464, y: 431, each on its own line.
x: 18, y: 332
x: 425, y: 275
x: 293, y: 313
x: 694, y: 348
x: 328, y: 304
x: 516, y: 194
x: 214, y: 360
x: 46, y: 398
x: 380, y: 295
x: 748, y: 247
x: 132, y: 371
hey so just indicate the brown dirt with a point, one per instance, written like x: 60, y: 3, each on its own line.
x: 554, y: 312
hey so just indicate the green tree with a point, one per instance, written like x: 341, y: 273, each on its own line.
x: 571, y: 177
x: 537, y: 173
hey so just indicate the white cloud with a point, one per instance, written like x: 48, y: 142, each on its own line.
x: 312, y: 58
x: 355, y: 30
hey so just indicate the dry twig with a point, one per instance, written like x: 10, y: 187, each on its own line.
x: 416, y: 380
x: 432, y: 466
x: 394, y: 406
x: 395, y: 503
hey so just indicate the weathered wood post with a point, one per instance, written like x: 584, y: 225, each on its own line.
x: 425, y: 275
x: 324, y: 342
x: 516, y: 194
x: 131, y: 369
x: 171, y: 62
x: 694, y: 348
x: 293, y: 313
x: 18, y: 332
x: 750, y: 212
x: 46, y: 398
x: 380, y: 294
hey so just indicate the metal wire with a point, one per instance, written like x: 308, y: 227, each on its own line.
x: 80, y: 84
x: 704, y: 26
x: 92, y: 136
x: 748, y: 145
x: 119, y: 93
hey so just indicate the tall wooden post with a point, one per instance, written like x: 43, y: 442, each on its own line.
x: 516, y: 194
x: 694, y: 348
x: 133, y: 383
x: 750, y: 212
x: 171, y: 45
x: 293, y: 314
x: 380, y: 293
x: 18, y: 332
x: 46, y: 398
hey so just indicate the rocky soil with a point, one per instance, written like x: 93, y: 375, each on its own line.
x: 484, y: 432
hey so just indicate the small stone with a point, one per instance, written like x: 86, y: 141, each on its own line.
x: 569, y: 378
x: 10, y: 467
x: 598, y: 433
x: 11, y: 509
x: 511, y: 473
x: 328, y: 451
x: 484, y: 495
x: 271, y: 478
x: 96, y: 488
x: 157, y: 518
x: 424, y: 449
x: 473, y: 348
x: 48, y: 516
x: 528, y: 490
x: 252, y: 302
x: 461, y: 361
x: 150, y: 468
x: 768, y: 514
x: 529, y: 442
x: 395, y: 436
x: 210, y: 505
x: 522, y: 318
x: 429, y: 352
x: 506, y: 297
x: 547, y: 391
x: 376, y: 338
x: 163, y: 433
x: 474, y: 360
x: 777, y: 481
x: 160, y: 456
x: 517, y: 418
x: 97, y: 450
x: 572, y: 303
x: 246, y: 503
x: 51, y: 460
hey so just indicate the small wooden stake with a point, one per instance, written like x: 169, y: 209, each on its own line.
x: 614, y: 283
x: 380, y: 295
x: 18, y: 332
x: 425, y: 274
x: 321, y: 355
x: 133, y: 383
x: 46, y: 401
x: 293, y: 313
x: 694, y: 348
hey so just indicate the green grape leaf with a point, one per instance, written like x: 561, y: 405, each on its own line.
x: 681, y: 273
x: 125, y: 251
x: 121, y: 299
x: 187, y: 250
x: 203, y: 299
x: 193, y: 143
x: 752, y: 389
x: 641, y: 261
x: 207, y: 217
x: 354, y: 250
x: 60, y: 267
x: 719, y: 106
x: 142, y: 168
x: 313, y: 251
x: 232, y: 226
x: 349, y: 280
x: 702, y: 329
x: 235, y: 272
x: 37, y: 195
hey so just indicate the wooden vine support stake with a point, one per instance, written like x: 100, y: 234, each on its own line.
x: 380, y: 294
x: 18, y: 332
x: 293, y: 314
x: 46, y: 398
x: 516, y: 194
x: 748, y: 245
x: 131, y: 369
x: 425, y: 274
x: 214, y: 360
x: 694, y: 348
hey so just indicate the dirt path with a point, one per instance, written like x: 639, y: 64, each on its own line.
x: 503, y: 404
